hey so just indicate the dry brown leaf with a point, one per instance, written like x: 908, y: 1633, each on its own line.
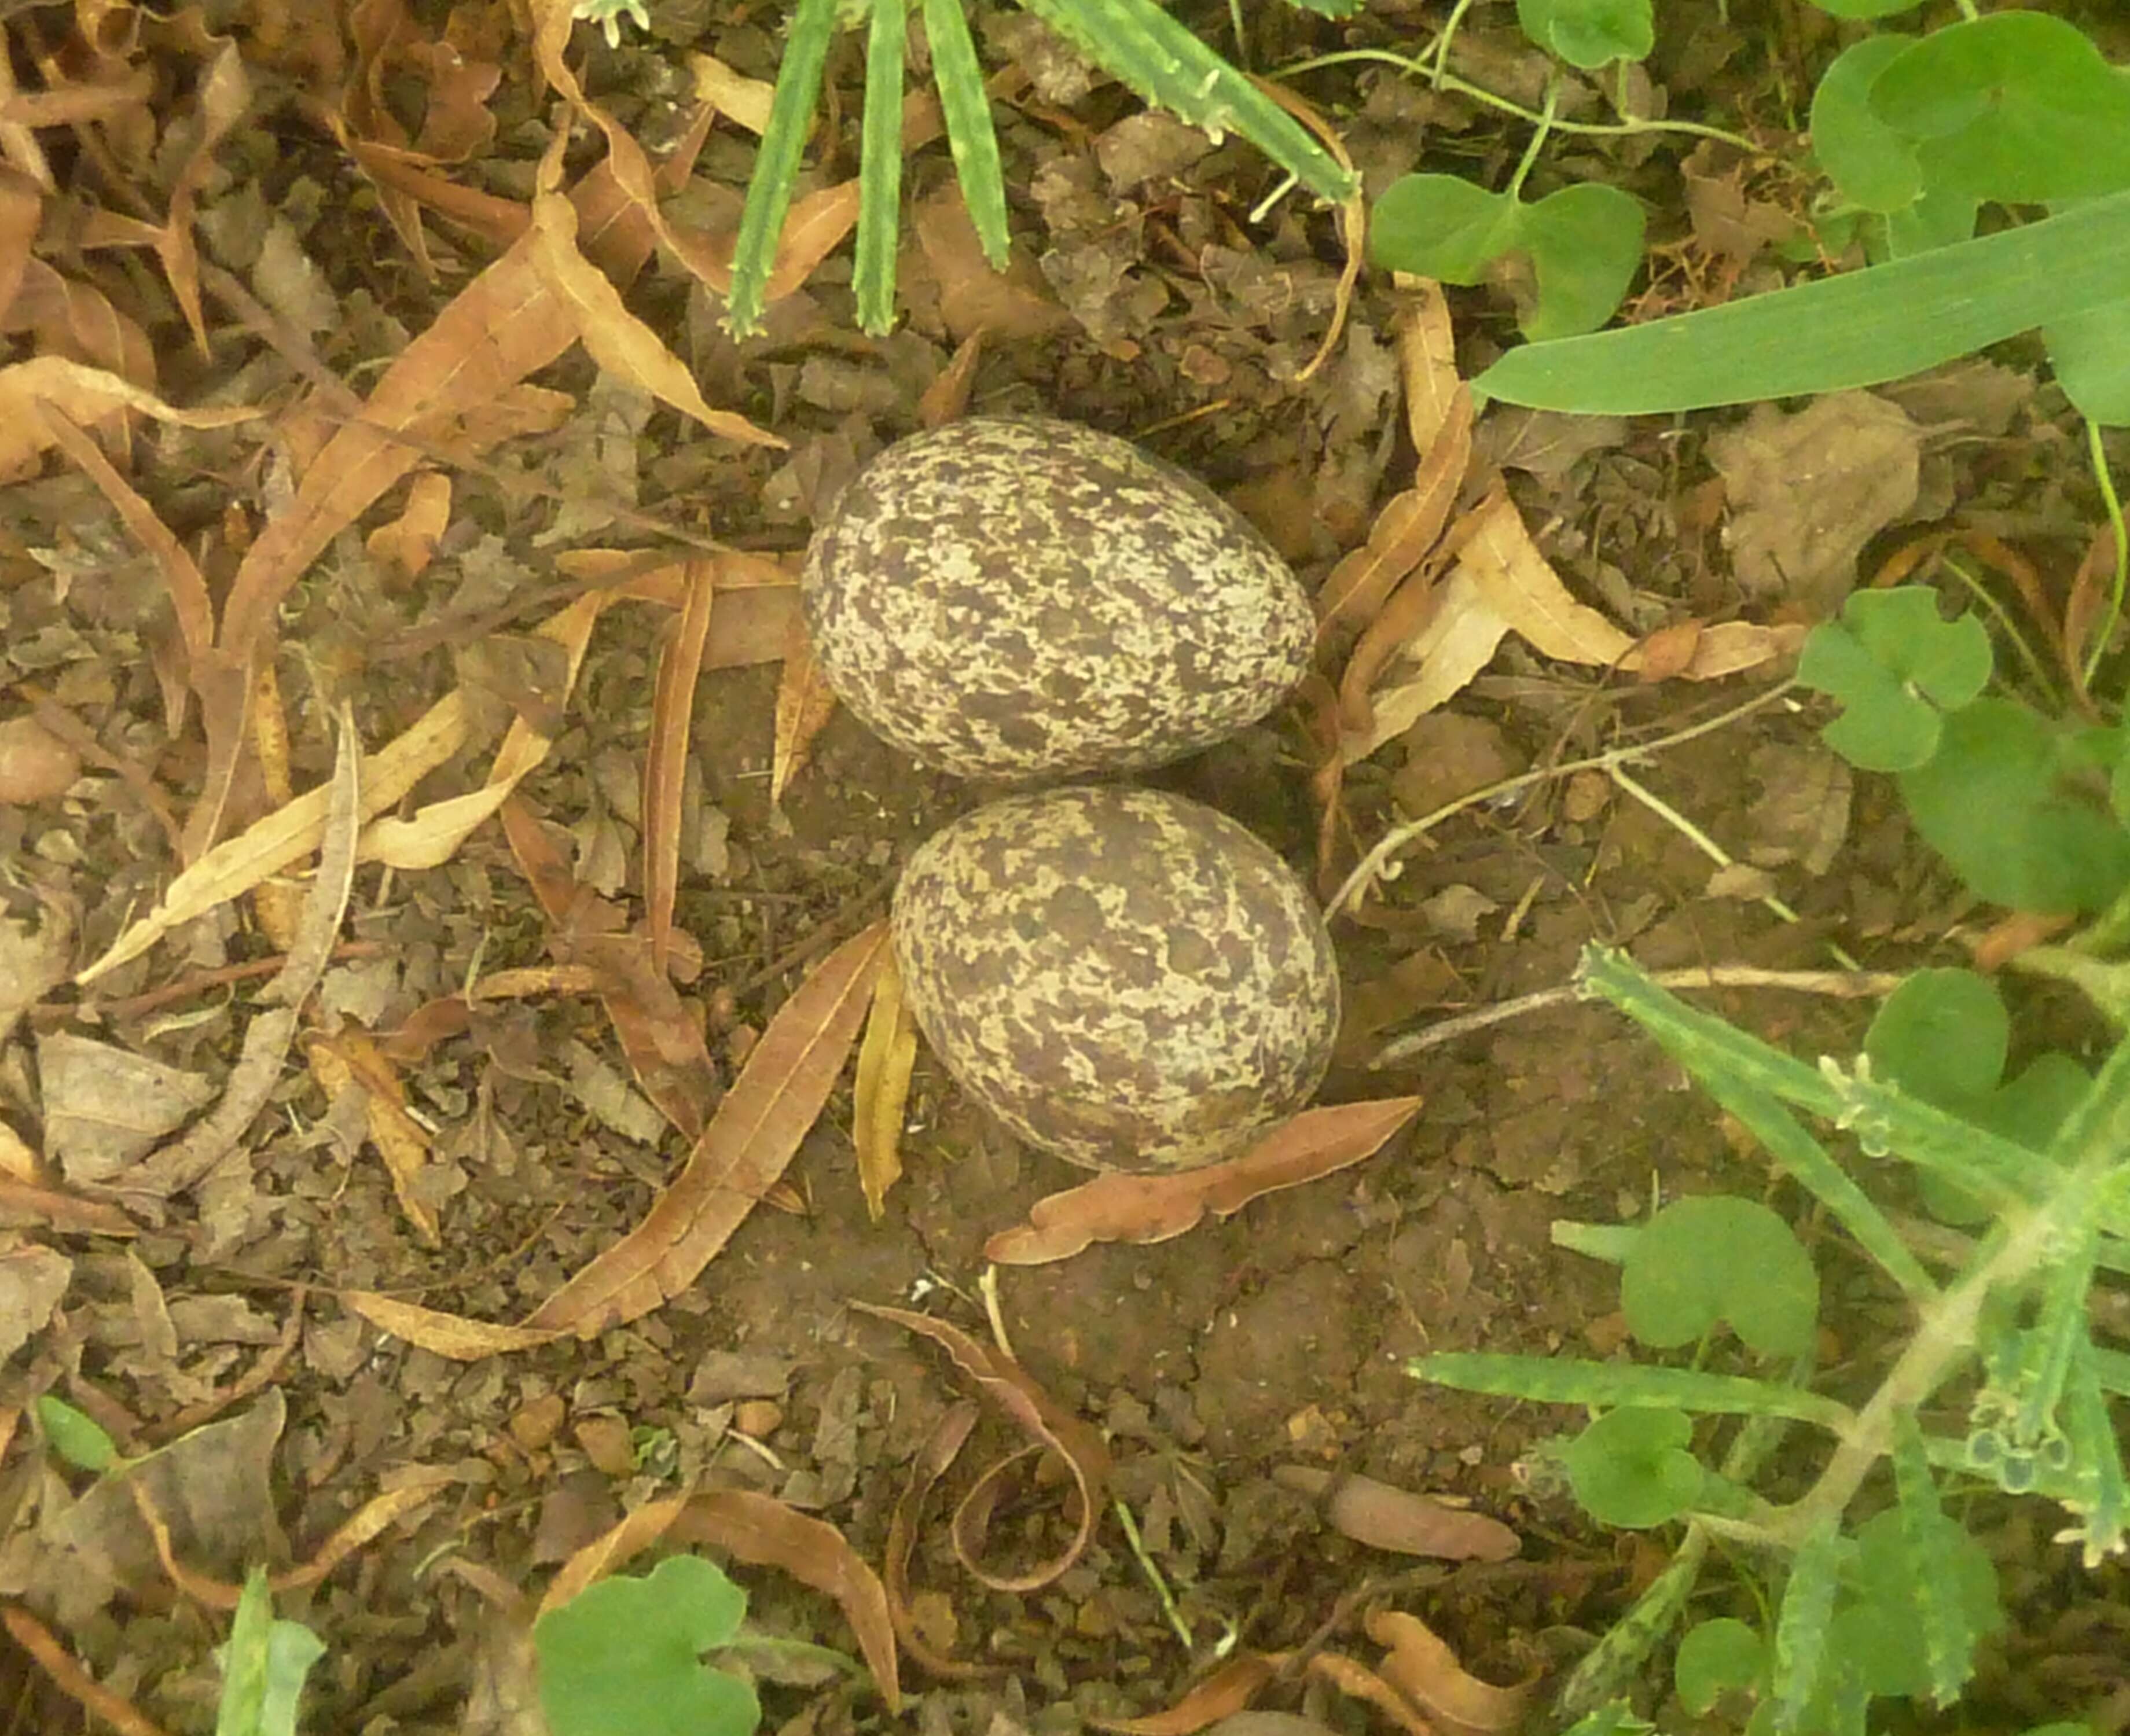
x: 1355, y: 1679
x: 501, y: 327
x: 803, y: 706
x: 1407, y: 528
x: 732, y: 95
x: 612, y: 1549
x: 453, y: 1337
x: 946, y: 399
x: 91, y: 397
x: 291, y: 833
x: 765, y: 1533
x: 1047, y: 1424
x: 349, y: 1061
x: 665, y: 755
x: 1728, y: 648
x: 1012, y: 306
x: 77, y: 320
x: 1425, y: 1672
x: 615, y: 338
x: 1226, y: 1692
x: 408, y: 543
x: 1121, y: 1208
x: 221, y: 96
x: 423, y: 1484
x: 775, y: 1099
x: 1353, y: 218
x: 1427, y: 363
x: 881, y: 1095
x: 905, y: 1525
x: 1386, y: 1516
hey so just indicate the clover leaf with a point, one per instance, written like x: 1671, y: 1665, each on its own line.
x: 1720, y: 1258
x: 1584, y: 244
x: 1715, y: 1658
x: 1897, y: 668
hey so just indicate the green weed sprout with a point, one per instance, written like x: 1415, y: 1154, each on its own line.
x: 263, y: 1666
x: 1135, y: 40
x: 1866, y: 1587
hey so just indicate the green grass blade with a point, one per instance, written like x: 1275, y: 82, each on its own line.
x: 776, y: 164
x: 879, y: 171
x: 970, y: 134
x: 1570, y: 1381
x: 1856, y: 330
x: 1157, y: 57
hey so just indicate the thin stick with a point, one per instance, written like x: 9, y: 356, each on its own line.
x: 1843, y: 984
x: 1371, y: 866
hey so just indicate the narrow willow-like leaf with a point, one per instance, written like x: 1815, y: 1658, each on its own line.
x: 879, y: 171
x: 970, y: 134
x: 1805, y: 1159
x: 1880, y: 323
x: 1999, y: 1170
x: 1159, y: 59
x: 1573, y: 1380
x: 1804, y: 1623
x: 1948, y: 1647
x: 777, y: 164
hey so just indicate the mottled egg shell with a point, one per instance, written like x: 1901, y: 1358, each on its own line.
x: 1017, y: 598
x: 1127, y: 979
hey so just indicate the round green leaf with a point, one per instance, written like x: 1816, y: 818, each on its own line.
x: 1586, y: 245
x: 2019, y: 106
x: 1942, y: 1036
x: 623, y: 1657
x: 1715, y: 1658
x: 1720, y: 1258
x: 1589, y: 34
x: 1437, y: 226
x: 2004, y: 802
x: 1630, y: 1468
x: 1873, y: 165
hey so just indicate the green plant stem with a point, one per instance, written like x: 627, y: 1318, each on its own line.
x: 1480, y: 94
x: 1710, y: 848
x: 1371, y: 867
x: 2106, y: 479
x: 1515, y: 187
x: 1166, y: 1599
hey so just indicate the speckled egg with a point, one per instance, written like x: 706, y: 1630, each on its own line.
x: 1124, y: 978
x: 1019, y: 598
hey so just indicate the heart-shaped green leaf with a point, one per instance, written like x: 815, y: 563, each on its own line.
x: 1589, y: 33
x: 1630, y: 1468
x: 1584, y: 244
x: 624, y: 1657
x: 1868, y: 162
x: 2018, y: 106
x: 1720, y: 1258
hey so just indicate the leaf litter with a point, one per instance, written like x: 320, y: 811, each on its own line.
x: 587, y: 948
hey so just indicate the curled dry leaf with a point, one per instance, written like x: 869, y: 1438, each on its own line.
x: 1386, y: 1516
x: 742, y: 1152
x: 1353, y: 218
x: 763, y: 1531
x: 1142, y: 1209
x: 349, y: 1061
x: 665, y: 755
x: 1221, y: 1696
x: 1427, y: 1673
x: 452, y: 1337
x: 1427, y: 363
x: 612, y: 1549
x: 1039, y: 1417
x: 905, y: 1525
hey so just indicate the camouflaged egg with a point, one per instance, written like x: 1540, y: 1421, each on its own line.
x: 1124, y: 978
x: 1019, y: 598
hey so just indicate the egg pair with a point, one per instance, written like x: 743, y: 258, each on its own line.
x: 1124, y: 978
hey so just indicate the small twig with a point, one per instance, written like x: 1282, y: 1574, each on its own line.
x: 1845, y: 986
x: 1370, y: 868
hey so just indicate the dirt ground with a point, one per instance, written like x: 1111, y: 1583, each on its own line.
x: 1143, y: 301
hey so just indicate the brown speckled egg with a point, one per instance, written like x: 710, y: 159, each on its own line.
x: 1019, y: 598
x: 1125, y: 978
